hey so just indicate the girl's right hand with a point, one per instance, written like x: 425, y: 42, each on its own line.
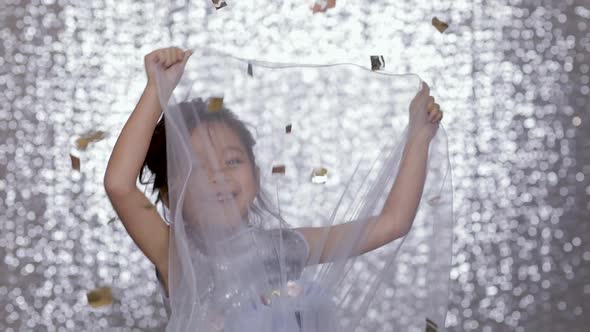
x: 169, y: 62
x: 425, y: 115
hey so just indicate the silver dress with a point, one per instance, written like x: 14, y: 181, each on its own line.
x: 268, y: 295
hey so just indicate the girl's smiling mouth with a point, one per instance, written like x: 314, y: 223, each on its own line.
x: 225, y: 197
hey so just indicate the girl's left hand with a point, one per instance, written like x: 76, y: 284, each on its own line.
x: 425, y: 115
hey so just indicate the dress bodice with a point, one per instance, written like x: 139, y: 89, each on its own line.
x: 254, y: 261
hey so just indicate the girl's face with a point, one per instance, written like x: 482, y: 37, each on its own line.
x: 227, y: 179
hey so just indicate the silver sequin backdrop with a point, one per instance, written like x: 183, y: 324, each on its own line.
x: 511, y: 75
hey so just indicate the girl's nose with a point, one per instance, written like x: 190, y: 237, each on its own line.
x: 215, y: 175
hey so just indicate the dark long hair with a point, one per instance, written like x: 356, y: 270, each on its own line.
x: 155, y: 159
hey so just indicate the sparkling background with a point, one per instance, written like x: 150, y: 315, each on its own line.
x: 512, y: 76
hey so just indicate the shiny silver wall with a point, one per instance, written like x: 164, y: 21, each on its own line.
x: 512, y: 75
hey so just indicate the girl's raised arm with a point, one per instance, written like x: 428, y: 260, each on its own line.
x: 396, y: 218
x: 144, y: 224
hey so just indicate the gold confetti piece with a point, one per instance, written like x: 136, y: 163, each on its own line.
x: 100, y: 297
x: 219, y: 4
x: 439, y: 25
x: 280, y: 169
x: 267, y: 298
x: 250, y: 70
x: 75, y: 162
x: 431, y: 326
x: 377, y: 62
x: 319, y: 175
x: 288, y: 129
x: 90, y: 137
x: 215, y: 104
x: 323, y: 6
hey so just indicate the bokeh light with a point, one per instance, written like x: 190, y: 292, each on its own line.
x: 512, y: 77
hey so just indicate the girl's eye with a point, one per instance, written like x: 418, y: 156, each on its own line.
x: 234, y: 162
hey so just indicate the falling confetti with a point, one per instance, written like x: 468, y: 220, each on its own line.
x: 219, y: 4
x: 288, y: 129
x: 319, y: 175
x: 323, y: 5
x: 100, y: 297
x: 439, y: 25
x: 280, y: 169
x: 215, y: 104
x: 90, y: 137
x: 377, y: 62
x: 491, y: 201
x: 431, y: 326
x: 250, y: 70
x: 75, y: 162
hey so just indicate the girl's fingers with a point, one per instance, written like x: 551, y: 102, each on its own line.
x: 173, y: 56
x: 421, y: 97
x: 430, y: 102
x: 166, y: 57
x: 179, y: 55
x: 435, y: 113
x: 152, y: 57
x: 170, y: 55
x: 439, y: 117
x: 432, y: 110
x: 425, y: 89
x: 162, y: 55
x: 432, y: 116
x: 186, y: 55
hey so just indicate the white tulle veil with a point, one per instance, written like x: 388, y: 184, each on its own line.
x: 328, y: 143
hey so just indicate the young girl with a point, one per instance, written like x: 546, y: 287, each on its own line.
x: 224, y: 216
